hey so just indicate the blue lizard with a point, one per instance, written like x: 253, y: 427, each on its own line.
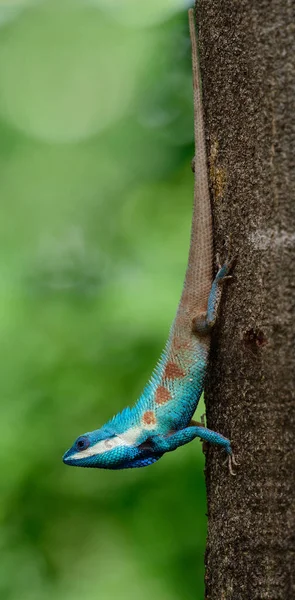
x: 161, y: 420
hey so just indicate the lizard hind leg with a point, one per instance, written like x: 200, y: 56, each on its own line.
x: 212, y: 437
x: 205, y: 321
x: 161, y: 444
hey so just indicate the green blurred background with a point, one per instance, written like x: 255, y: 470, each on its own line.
x: 96, y: 194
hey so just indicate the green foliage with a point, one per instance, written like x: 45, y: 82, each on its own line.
x: 96, y: 194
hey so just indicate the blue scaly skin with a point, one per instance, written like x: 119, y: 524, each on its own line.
x: 161, y: 420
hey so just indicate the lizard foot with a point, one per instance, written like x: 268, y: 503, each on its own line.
x: 227, y: 266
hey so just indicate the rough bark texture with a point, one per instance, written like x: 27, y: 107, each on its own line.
x: 248, y: 71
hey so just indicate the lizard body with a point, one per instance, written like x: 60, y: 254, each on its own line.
x: 161, y: 420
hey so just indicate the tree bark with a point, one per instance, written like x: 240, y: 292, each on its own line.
x: 247, y: 54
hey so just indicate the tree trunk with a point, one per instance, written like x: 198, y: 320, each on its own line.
x: 248, y: 71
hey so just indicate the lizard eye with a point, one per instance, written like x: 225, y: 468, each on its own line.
x: 82, y: 443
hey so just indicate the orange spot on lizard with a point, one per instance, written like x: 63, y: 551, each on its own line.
x: 162, y: 395
x: 149, y: 418
x: 181, y: 344
x: 173, y: 371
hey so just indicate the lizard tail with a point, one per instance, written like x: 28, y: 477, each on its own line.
x: 198, y: 278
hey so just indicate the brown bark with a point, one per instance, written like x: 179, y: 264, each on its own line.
x: 248, y: 71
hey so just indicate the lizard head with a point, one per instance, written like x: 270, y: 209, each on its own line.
x: 107, y: 448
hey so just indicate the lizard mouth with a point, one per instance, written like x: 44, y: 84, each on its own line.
x: 74, y: 462
x: 67, y: 458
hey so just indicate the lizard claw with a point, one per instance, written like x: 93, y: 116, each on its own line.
x: 218, y: 263
x: 227, y: 277
x: 231, y: 462
x: 234, y: 460
x: 230, y: 262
